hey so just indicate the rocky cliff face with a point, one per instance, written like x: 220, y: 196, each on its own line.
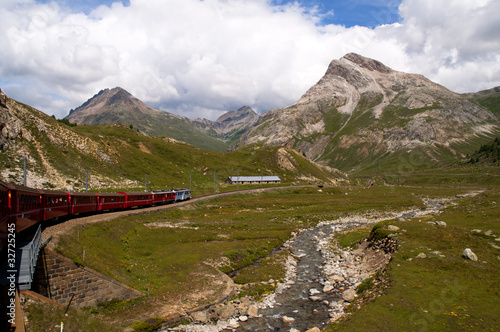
x: 10, y: 126
x: 361, y: 110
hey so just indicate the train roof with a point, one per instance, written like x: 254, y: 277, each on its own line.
x: 3, y: 184
x: 78, y: 193
x: 135, y: 193
x: 17, y: 187
x: 53, y: 192
x: 111, y: 194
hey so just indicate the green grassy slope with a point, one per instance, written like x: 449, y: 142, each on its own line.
x: 130, y: 154
x: 490, y: 100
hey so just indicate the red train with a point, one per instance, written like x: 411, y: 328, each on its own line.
x: 22, y: 207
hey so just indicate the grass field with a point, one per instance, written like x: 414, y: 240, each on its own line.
x: 167, y: 251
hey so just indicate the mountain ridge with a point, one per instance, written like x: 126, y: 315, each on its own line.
x: 119, y: 106
x: 361, y: 110
x: 361, y: 113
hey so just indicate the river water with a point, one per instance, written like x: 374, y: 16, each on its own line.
x: 292, y: 307
x: 301, y: 303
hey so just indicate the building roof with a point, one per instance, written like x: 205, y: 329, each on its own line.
x: 254, y: 178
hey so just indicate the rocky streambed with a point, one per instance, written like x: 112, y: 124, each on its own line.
x: 320, y: 281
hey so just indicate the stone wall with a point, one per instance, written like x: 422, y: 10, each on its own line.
x: 58, y: 278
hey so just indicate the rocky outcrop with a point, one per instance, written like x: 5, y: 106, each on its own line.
x: 3, y: 99
x: 11, y: 127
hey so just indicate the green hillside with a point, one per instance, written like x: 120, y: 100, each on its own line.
x: 122, y: 156
x: 489, y: 99
x: 163, y: 124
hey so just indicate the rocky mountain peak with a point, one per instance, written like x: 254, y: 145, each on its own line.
x: 103, y: 97
x: 117, y: 95
x: 110, y: 105
x: 367, y: 63
x: 243, y: 112
x: 364, y: 109
x: 345, y: 79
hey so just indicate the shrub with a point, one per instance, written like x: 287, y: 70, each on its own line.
x: 380, y: 231
x: 148, y: 325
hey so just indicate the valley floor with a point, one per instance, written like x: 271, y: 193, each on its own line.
x: 428, y: 285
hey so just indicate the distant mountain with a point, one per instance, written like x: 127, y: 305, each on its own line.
x: 118, y: 106
x: 363, y: 115
x: 230, y: 126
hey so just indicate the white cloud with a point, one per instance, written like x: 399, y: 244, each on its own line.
x: 200, y: 58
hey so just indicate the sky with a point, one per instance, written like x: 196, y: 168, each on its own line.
x: 201, y: 58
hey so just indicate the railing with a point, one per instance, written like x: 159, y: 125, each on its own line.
x: 29, y: 259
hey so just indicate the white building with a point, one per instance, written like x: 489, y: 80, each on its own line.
x: 252, y: 179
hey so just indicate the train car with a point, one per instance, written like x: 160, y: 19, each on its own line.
x: 4, y: 202
x: 110, y: 201
x: 83, y: 202
x: 55, y: 204
x: 4, y: 213
x: 182, y: 194
x: 163, y: 197
x: 25, y: 205
x: 135, y: 199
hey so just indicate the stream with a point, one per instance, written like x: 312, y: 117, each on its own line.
x: 295, y: 305
x: 306, y: 300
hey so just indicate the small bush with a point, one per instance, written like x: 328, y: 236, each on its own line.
x: 67, y: 123
x: 380, y: 231
x: 365, y: 285
x: 148, y: 325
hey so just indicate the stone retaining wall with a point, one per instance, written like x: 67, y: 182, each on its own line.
x: 58, y: 278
